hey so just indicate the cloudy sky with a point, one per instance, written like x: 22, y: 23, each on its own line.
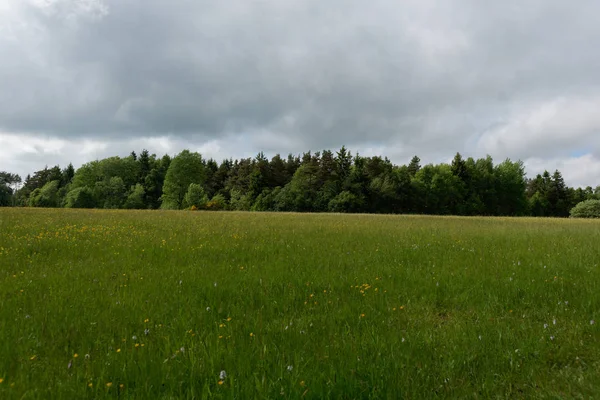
x: 87, y: 79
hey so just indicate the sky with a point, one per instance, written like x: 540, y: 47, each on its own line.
x: 87, y: 79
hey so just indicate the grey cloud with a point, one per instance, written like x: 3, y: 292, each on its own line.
x: 426, y: 77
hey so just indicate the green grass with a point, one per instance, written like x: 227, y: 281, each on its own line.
x: 356, y: 306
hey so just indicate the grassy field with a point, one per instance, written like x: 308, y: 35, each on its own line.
x: 163, y: 305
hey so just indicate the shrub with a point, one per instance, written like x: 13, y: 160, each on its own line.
x: 217, y: 203
x: 586, y: 209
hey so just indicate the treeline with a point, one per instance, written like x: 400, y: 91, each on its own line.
x: 314, y: 182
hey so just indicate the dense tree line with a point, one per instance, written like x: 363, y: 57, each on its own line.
x: 314, y: 182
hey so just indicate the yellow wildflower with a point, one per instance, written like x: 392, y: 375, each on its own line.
x: 220, y: 382
x: 108, y: 384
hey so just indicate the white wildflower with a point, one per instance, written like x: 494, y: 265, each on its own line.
x: 223, y: 375
x: 290, y: 368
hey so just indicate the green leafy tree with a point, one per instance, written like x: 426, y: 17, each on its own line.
x: 414, y: 166
x: 136, y: 198
x: 346, y: 202
x: 47, y: 196
x: 115, y: 193
x: 81, y: 197
x: 239, y: 201
x: 185, y: 169
x: 8, y: 185
x: 195, y: 197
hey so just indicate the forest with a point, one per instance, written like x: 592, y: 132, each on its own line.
x: 324, y: 181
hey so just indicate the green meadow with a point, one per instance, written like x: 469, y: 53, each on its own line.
x: 191, y: 305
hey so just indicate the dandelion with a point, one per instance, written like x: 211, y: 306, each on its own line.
x: 228, y: 319
x: 302, y: 383
x: 118, y: 350
x: 223, y: 375
x: 137, y: 345
x: 146, y: 320
x: 1, y: 380
x: 251, y: 334
x: 220, y: 382
x: 33, y: 357
x: 108, y: 384
x: 90, y: 384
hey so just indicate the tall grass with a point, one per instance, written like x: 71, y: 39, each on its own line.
x: 127, y: 304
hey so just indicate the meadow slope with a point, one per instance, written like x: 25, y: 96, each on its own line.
x: 157, y: 304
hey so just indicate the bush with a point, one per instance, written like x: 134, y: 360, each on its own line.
x: 586, y: 209
x: 217, y: 203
